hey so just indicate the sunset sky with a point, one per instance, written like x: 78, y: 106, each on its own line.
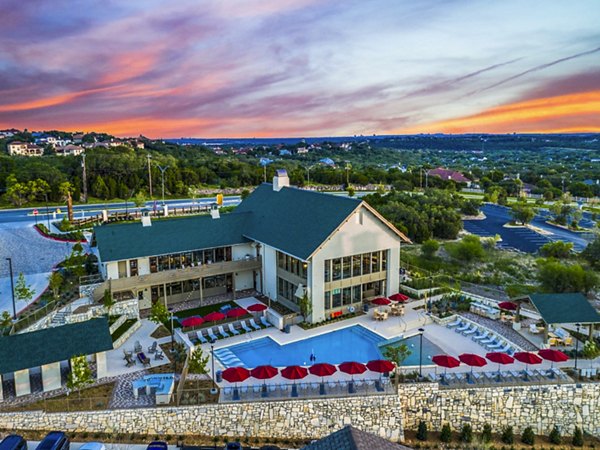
x: 257, y: 68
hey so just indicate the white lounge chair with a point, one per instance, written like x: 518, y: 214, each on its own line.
x: 222, y: 332
x: 462, y: 328
x: 254, y: 325
x: 494, y: 346
x: 505, y: 349
x: 265, y: 322
x: 201, y: 337
x: 533, y: 329
x: 231, y: 328
x: 211, y: 334
x: 487, y: 341
x: 481, y: 336
x: 473, y: 330
x: 454, y: 324
x: 245, y: 327
x: 256, y: 388
x: 476, y: 376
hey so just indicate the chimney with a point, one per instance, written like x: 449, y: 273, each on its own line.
x: 280, y: 180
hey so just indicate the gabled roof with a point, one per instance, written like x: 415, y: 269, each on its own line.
x: 131, y: 240
x: 448, y: 174
x: 350, y: 438
x: 564, y: 308
x: 49, y: 345
x: 294, y: 220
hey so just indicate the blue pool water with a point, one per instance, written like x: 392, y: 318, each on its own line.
x: 355, y: 343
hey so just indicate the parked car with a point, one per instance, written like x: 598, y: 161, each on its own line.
x: 233, y: 446
x: 270, y: 447
x: 55, y: 440
x: 13, y: 442
x: 93, y: 446
x: 157, y: 445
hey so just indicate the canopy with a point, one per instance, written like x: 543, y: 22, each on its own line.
x: 509, y: 306
x: 446, y: 361
x: 528, y: 358
x: 550, y: 354
x: 236, y: 374
x: 381, y: 301
x: 352, y: 367
x: 214, y: 316
x: 193, y: 321
x: 294, y: 372
x: 500, y: 358
x: 565, y: 308
x: 399, y: 297
x: 264, y: 372
x: 380, y: 365
x: 257, y: 307
x: 472, y: 360
x: 322, y: 369
x: 236, y: 312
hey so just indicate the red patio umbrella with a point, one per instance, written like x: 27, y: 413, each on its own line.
x: 446, y: 361
x: 399, y: 297
x: 322, y: 369
x: 380, y: 365
x: 509, y: 306
x: 352, y: 368
x: 472, y: 360
x: 257, y: 307
x: 381, y: 301
x: 236, y: 312
x: 500, y: 358
x: 214, y: 316
x: 235, y: 374
x: 528, y: 358
x: 264, y: 372
x: 193, y: 321
x: 294, y: 373
x: 550, y: 354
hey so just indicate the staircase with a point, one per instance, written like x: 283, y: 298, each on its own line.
x: 59, y: 318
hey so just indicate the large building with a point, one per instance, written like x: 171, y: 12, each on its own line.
x: 285, y: 242
x: 18, y: 148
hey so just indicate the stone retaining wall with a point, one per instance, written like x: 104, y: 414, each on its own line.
x: 297, y: 419
x: 538, y: 406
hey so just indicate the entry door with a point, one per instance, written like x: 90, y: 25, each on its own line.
x: 122, y: 269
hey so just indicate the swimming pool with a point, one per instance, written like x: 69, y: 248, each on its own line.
x: 355, y: 343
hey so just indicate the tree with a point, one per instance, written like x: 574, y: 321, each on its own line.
x: 528, y: 437
x: 108, y: 301
x: 351, y: 191
x: 486, y: 433
x: 397, y: 354
x: 468, y: 249
x: 557, y: 277
x: 159, y: 313
x: 66, y: 190
x: 55, y: 281
x: 17, y: 193
x: 577, y: 437
x: 23, y: 292
x: 522, y: 213
x: 592, y: 252
x: 556, y: 249
x: 429, y: 248
x: 554, y: 436
x: 470, y: 207
x: 305, y: 305
x: 140, y: 199
x: 422, y: 431
x: 466, y: 433
x: 508, y: 435
x: 446, y: 434
x: 590, y: 349
x: 198, y: 363
x: 245, y: 193
x: 5, y: 320
x: 80, y: 375
x: 76, y: 260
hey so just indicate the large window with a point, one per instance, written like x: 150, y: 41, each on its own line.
x: 342, y: 297
x: 291, y: 265
x: 287, y: 290
x: 355, y: 266
x: 336, y: 269
x: 189, y: 259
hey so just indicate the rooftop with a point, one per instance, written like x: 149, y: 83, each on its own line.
x: 350, y: 438
x: 564, y: 308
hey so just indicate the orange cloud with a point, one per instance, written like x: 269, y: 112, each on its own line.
x: 49, y: 101
x: 563, y: 113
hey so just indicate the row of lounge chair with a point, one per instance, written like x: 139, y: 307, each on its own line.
x: 498, y: 376
x: 211, y: 336
x: 483, y: 336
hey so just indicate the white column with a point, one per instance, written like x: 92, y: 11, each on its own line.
x: 393, y: 267
x: 22, y: 384
x: 1, y: 393
x: 51, y: 378
x: 101, y: 365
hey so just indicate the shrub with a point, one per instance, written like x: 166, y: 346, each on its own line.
x: 486, y: 434
x: 422, y: 431
x: 577, y: 437
x: 466, y: 433
x: 554, y: 435
x: 430, y: 247
x: 528, y: 437
x: 508, y: 435
x: 446, y: 434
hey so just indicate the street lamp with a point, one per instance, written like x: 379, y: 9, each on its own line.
x: 212, y: 373
x: 162, y: 172
x: 421, y: 331
x: 578, y: 325
x: 12, y: 288
x: 172, y: 332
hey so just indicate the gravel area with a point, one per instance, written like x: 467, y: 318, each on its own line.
x: 502, y: 330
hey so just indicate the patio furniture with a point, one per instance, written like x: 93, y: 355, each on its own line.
x: 454, y: 324
x: 245, y: 327
x: 225, y: 308
x: 143, y: 359
x: 127, y: 354
x: 130, y: 361
x: 232, y: 329
x: 254, y: 325
x: 201, y: 337
x: 211, y: 335
x: 462, y: 328
x: 477, y: 376
x: 159, y: 355
x: 153, y: 347
x: 481, y: 336
x: 487, y: 341
x: 533, y: 329
x: 264, y: 321
x: 564, y: 336
x: 137, y: 348
x: 472, y: 330
x: 494, y: 346
x: 222, y: 332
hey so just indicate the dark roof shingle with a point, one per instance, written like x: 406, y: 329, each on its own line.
x: 565, y: 308
x: 49, y: 345
x: 350, y: 438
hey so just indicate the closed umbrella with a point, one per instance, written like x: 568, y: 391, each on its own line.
x: 322, y: 370
x: 294, y: 373
x: 447, y: 362
x: 257, y: 307
x: 352, y: 368
x: 236, y: 375
x: 500, y: 358
x: 472, y: 360
x: 381, y: 301
x: 399, y: 297
x: 236, y: 312
x: 549, y: 354
x: 527, y: 358
x: 193, y: 321
x: 509, y: 306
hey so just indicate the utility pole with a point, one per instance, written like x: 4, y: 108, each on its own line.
x: 150, y: 175
x: 84, y: 178
x: 162, y: 171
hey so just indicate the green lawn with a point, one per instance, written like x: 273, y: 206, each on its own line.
x: 123, y: 328
x: 203, y: 310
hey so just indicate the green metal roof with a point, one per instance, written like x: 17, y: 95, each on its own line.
x: 294, y: 220
x: 50, y: 345
x: 564, y: 308
x: 131, y: 240
x: 350, y: 438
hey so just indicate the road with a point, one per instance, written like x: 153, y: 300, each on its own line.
x: 520, y: 238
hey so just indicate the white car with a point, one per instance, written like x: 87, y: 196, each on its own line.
x: 93, y: 446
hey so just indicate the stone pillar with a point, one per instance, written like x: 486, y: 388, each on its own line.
x: 101, y: 365
x: 22, y: 383
x: 51, y: 378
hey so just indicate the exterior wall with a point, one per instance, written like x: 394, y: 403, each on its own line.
x: 101, y: 365
x: 353, y: 238
x: 143, y: 266
x: 51, y: 378
x: 240, y: 251
x: 269, y: 265
x: 22, y: 383
x: 243, y: 280
x: 112, y: 270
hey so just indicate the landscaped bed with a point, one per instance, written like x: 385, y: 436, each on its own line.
x: 72, y: 236
x: 123, y: 329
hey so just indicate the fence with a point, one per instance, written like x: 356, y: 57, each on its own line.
x: 133, y: 215
x: 34, y: 316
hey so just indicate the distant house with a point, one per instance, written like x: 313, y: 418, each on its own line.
x: 69, y: 150
x: 8, y: 133
x: 448, y: 174
x: 77, y: 138
x: 302, y: 150
x: 285, y: 153
x: 18, y: 148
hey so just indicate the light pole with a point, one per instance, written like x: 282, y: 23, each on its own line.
x: 12, y: 287
x: 578, y: 325
x: 162, y: 172
x: 149, y: 156
x: 212, y: 372
x: 421, y: 331
x: 172, y: 332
